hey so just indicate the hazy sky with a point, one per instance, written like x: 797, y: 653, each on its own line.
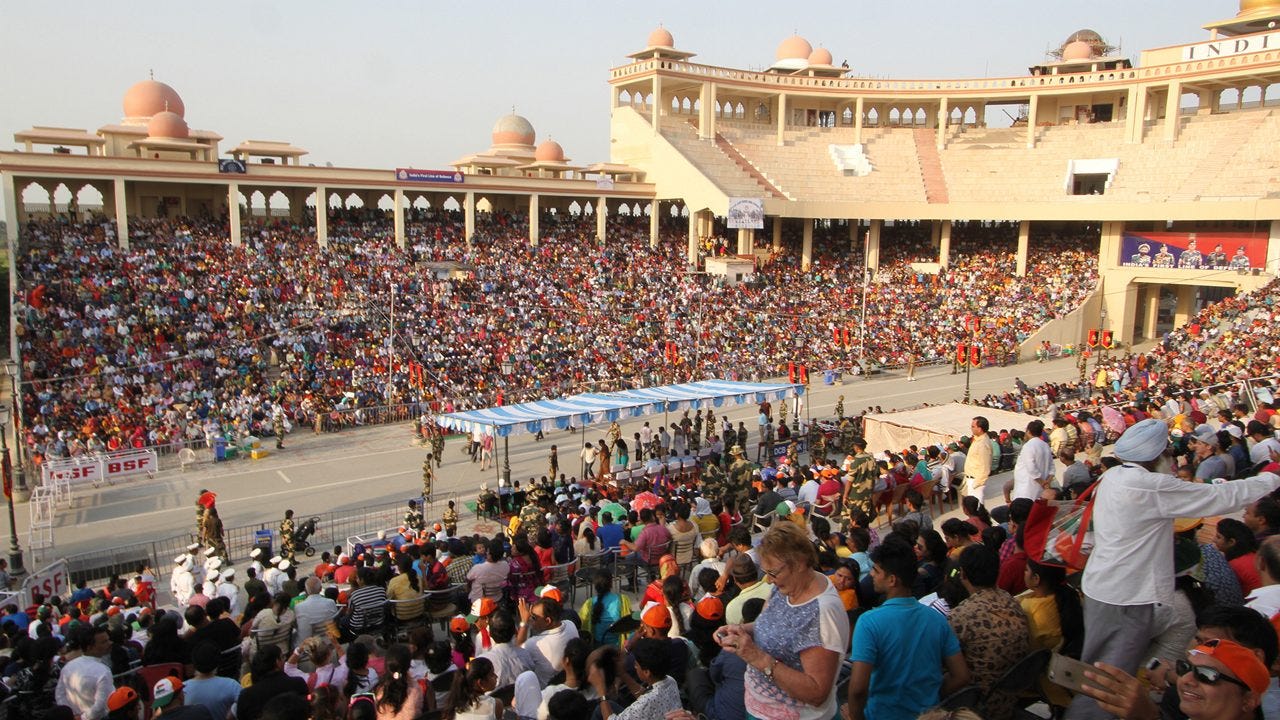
x: 385, y: 83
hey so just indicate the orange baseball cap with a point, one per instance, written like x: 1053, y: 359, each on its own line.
x: 121, y: 698
x: 459, y: 624
x: 656, y: 617
x: 1240, y: 660
x: 710, y: 608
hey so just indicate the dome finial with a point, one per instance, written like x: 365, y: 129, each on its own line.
x: 151, y: 73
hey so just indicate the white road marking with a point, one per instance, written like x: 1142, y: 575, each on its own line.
x: 284, y: 477
x: 255, y: 498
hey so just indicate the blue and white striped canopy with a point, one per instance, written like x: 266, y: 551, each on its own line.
x: 595, y: 408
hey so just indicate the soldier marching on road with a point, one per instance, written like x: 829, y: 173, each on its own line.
x: 277, y: 426
x: 286, y: 537
x: 413, y: 517
x: 428, y: 478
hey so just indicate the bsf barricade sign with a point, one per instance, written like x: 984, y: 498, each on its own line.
x: 54, y: 579
x: 93, y: 470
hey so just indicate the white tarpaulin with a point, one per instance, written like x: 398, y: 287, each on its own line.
x: 940, y: 424
x: 593, y: 408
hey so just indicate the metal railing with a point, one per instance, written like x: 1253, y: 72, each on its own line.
x: 332, y: 529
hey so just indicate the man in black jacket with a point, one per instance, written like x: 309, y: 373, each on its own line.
x: 269, y: 680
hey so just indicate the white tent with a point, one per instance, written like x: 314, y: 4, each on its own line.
x: 939, y: 424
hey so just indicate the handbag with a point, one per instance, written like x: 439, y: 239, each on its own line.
x: 1060, y: 532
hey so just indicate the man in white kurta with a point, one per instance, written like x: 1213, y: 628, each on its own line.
x: 1131, y: 568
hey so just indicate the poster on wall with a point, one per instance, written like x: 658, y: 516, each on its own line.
x: 746, y: 213
x: 1194, y: 251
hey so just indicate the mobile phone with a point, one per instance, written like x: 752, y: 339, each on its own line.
x: 1068, y: 672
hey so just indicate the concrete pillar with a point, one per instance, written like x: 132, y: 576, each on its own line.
x: 806, y: 244
x: 122, y: 215
x: 11, y: 196
x: 1138, y: 107
x: 943, y: 109
x: 857, y: 122
x: 322, y: 216
x: 397, y: 207
x: 1122, y: 311
x: 692, y: 245
x: 855, y: 236
x: 1150, y: 311
x: 1171, y: 104
x: 1273, y: 249
x: 655, y: 218
x: 1024, y: 245
x: 1109, y: 245
x: 233, y: 209
x: 469, y: 217
x: 1208, y: 99
x: 602, y: 218
x: 935, y: 234
x: 1186, y: 304
x: 777, y: 233
x: 1031, y: 120
x: 707, y: 115
x: 655, y: 112
x: 873, y: 245
x: 944, y: 244
x: 746, y: 241
x: 782, y: 117
x: 533, y: 220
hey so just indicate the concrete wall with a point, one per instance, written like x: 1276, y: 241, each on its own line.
x: 1071, y: 329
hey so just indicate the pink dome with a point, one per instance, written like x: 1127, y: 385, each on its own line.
x: 549, y: 151
x: 1077, y: 50
x: 513, y: 130
x: 794, y: 48
x: 167, y: 124
x: 820, y: 56
x: 661, y: 38
x: 149, y: 97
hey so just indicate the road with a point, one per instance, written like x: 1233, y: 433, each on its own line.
x: 380, y: 464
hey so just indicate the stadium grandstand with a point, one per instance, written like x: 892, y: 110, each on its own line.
x: 171, y: 294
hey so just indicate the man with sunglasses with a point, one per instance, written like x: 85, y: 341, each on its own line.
x: 1220, y: 679
x: 1123, y: 695
x: 1131, y: 568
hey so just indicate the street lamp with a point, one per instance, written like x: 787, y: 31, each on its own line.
x: 15, y: 553
x: 506, y: 454
x: 12, y: 369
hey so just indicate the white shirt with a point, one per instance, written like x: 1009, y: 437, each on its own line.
x: 83, y: 686
x: 182, y: 585
x: 808, y: 492
x: 1034, y: 466
x: 1261, y: 450
x: 550, y: 645
x: 1132, y: 560
x: 228, y: 590
x: 511, y: 660
x: 312, y: 612
x: 1265, y: 600
x: 273, y: 579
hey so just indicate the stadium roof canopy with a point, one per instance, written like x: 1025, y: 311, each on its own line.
x: 593, y: 408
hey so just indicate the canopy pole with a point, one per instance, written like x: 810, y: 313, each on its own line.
x: 506, y: 460
x: 497, y: 475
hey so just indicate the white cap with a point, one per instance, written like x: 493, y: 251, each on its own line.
x: 285, y: 565
x: 209, y: 552
x: 214, y: 563
x: 181, y: 559
x: 275, y: 559
x: 255, y: 553
x: 228, y: 573
x: 193, y: 546
x: 186, y: 563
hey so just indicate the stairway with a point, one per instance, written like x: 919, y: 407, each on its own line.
x: 935, y: 183
x: 747, y: 166
x: 1214, y: 162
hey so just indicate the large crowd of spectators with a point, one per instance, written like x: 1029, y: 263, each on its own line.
x: 726, y: 595
x: 183, y: 338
